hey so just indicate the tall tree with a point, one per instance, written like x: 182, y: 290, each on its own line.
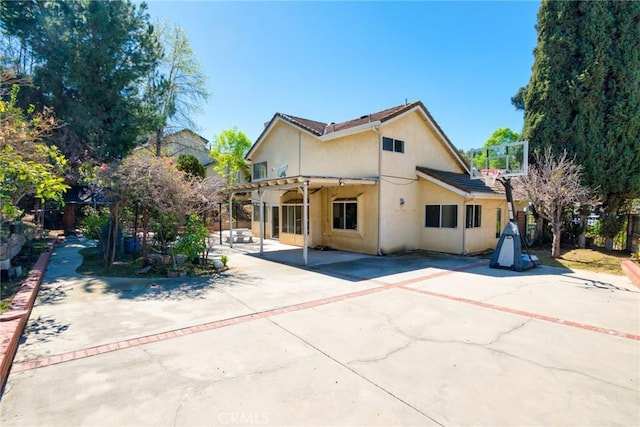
x: 89, y: 61
x: 177, y: 88
x: 228, y: 151
x: 584, y: 95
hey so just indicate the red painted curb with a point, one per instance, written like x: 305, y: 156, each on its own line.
x: 632, y: 270
x: 13, y: 321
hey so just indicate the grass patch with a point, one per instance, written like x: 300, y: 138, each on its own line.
x: 27, y: 257
x: 596, y: 260
x: 93, y: 265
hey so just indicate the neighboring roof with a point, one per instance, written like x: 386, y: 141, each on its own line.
x: 189, y: 131
x: 151, y: 138
x: 462, y: 182
x: 82, y: 195
x: 320, y: 129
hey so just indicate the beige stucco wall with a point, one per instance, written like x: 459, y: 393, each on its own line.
x: 399, y: 222
x: 365, y: 238
x: 354, y: 156
x: 484, y: 237
x: 402, y: 225
x: 440, y: 239
x: 422, y: 148
x: 350, y: 156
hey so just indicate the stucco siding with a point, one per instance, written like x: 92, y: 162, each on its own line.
x: 365, y: 238
x: 484, y: 237
x: 422, y: 148
x: 400, y: 215
x: 350, y: 156
x: 440, y: 239
x: 281, y: 147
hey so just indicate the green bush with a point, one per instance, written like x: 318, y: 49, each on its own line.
x: 194, y: 240
x: 94, y: 221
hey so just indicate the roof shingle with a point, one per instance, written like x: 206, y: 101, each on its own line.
x: 461, y: 181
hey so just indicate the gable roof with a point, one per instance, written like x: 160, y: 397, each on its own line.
x: 328, y: 130
x: 461, y: 182
x: 204, y: 140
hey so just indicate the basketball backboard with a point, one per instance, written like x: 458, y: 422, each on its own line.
x: 503, y: 160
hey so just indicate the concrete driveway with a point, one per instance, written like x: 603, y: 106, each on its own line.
x: 399, y: 340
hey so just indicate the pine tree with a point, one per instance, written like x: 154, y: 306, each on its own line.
x: 583, y: 95
x: 89, y: 60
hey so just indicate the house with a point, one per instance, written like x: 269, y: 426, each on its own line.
x: 184, y: 141
x: 381, y: 183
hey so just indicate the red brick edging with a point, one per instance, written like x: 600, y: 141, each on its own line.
x: 632, y: 270
x: 13, y: 321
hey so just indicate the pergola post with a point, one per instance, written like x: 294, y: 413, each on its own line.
x: 261, y: 195
x: 231, y: 219
x: 305, y: 203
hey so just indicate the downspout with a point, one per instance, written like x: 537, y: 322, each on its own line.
x: 379, y: 249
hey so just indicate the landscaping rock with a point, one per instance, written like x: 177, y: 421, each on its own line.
x: 144, y: 270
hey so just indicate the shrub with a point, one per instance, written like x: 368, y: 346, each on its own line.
x: 194, y: 240
x: 94, y: 221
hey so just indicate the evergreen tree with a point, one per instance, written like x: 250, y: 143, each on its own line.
x: 584, y: 94
x: 89, y: 61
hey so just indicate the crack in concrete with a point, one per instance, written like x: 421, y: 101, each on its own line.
x: 487, y: 346
x: 358, y: 374
x: 179, y: 407
x: 378, y: 359
x: 518, y: 288
x: 507, y: 332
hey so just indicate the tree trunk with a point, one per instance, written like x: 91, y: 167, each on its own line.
x: 582, y: 238
x: 539, y: 227
x: 159, y: 142
x: 555, y: 247
x: 608, y: 243
x: 145, y: 224
x: 556, y: 228
x: 112, y: 236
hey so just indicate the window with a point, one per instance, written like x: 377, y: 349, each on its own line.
x: 292, y: 219
x: 256, y: 213
x: 498, y: 222
x: 441, y: 216
x: 390, y: 144
x: 473, y: 217
x: 345, y: 214
x: 259, y: 170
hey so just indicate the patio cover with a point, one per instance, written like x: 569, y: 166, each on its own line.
x: 305, y: 183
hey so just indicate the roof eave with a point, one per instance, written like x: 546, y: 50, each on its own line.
x: 272, y: 123
x: 350, y: 131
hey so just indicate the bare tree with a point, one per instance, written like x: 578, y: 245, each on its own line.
x: 553, y: 186
x: 178, y: 88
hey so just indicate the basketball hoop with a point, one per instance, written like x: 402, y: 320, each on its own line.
x: 489, y: 176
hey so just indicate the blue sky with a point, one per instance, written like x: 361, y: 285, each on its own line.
x: 334, y: 61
